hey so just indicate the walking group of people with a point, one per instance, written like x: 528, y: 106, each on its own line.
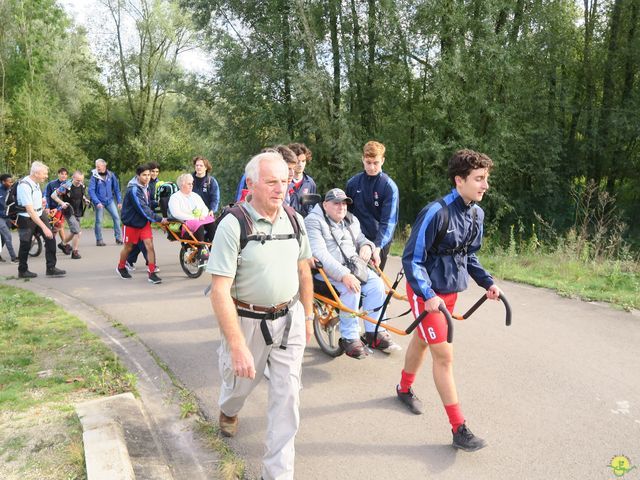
x: 261, y: 267
x: 262, y: 291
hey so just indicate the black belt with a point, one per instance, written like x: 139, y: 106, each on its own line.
x: 264, y: 316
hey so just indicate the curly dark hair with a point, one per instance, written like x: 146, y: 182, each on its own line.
x: 465, y: 160
x: 301, y: 149
x: 207, y: 164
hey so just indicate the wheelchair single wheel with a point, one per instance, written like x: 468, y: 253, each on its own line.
x: 36, y: 246
x: 326, y: 328
x: 190, y: 261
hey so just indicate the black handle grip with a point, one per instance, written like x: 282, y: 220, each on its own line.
x: 507, y: 307
x: 482, y: 299
x: 447, y: 316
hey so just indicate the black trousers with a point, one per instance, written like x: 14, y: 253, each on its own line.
x: 26, y: 229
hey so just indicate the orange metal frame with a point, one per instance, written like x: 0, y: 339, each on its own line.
x: 192, y: 240
x: 334, y: 303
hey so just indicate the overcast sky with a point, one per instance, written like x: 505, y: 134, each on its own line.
x: 93, y: 16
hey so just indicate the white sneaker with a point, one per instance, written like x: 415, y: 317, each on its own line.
x: 129, y: 267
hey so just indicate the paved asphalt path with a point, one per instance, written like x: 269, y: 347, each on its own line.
x: 556, y: 395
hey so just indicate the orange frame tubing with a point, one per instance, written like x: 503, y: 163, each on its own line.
x: 193, y: 241
x: 388, y: 284
x: 338, y: 305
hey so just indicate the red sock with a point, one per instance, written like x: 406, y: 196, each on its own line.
x: 456, y: 418
x: 406, y: 381
x: 152, y: 267
x: 120, y: 264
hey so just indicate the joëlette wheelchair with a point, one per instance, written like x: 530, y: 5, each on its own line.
x: 327, y: 307
x: 193, y: 253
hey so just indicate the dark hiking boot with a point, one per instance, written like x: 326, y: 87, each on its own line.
x: 467, y: 441
x: 353, y: 348
x: 382, y: 342
x: 228, y: 425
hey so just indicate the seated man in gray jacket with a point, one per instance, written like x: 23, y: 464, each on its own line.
x: 335, y: 236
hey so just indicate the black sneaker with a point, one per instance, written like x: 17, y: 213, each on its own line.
x: 119, y: 242
x: 353, y: 348
x: 100, y: 243
x: 55, y: 272
x: 75, y: 255
x: 467, y: 441
x: 123, y: 272
x: 15, y: 260
x: 63, y: 248
x: 153, y: 278
x: 27, y: 274
x: 413, y: 403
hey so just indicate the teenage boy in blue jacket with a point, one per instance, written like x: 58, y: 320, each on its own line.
x: 137, y: 217
x: 375, y: 201
x: 104, y: 191
x: 436, y: 271
x: 301, y: 184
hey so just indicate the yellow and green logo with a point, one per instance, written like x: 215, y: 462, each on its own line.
x: 621, y: 465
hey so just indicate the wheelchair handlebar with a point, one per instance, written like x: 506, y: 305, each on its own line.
x: 482, y: 299
x: 447, y: 316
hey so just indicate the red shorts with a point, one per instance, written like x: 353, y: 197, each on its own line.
x: 433, y: 327
x: 57, y: 221
x: 134, y: 235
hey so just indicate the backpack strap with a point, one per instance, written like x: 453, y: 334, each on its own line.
x: 442, y: 232
x: 295, y: 223
x: 246, y: 226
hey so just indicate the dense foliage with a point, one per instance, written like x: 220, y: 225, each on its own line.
x: 548, y: 88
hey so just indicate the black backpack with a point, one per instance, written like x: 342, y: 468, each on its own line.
x: 442, y: 232
x: 12, y: 207
x: 246, y: 230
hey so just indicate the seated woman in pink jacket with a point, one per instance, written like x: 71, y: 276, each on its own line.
x: 189, y: 208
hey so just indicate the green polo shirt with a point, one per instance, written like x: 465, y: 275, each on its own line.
x: 265, y: 273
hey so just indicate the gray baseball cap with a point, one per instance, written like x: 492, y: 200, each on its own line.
x: 337, y: 195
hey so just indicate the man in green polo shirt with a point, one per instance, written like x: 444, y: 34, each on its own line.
x: 262, y: 297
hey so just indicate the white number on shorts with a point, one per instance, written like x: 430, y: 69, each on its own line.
x: 432, y: 333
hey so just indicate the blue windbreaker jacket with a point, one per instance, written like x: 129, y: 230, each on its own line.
x: 429, y: 271
x: 136, y: 209
x: 104, y: 190
x: 376, y: 203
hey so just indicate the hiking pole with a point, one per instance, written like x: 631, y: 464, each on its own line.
x: 446, y: 314
x: 482, y: 299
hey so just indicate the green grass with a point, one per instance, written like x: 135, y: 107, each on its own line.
x: 613, y: 281
x: 616, y: 282
x: 48, y: 361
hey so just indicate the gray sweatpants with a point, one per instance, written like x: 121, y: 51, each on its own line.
x: 283, y: 417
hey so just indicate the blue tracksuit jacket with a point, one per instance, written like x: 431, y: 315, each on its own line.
x: 207, y: 187
x: 136, y: 209
x: 48, y: 191
x: 429, y: 271
x: 295, y: 194
x: 376, y: 203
